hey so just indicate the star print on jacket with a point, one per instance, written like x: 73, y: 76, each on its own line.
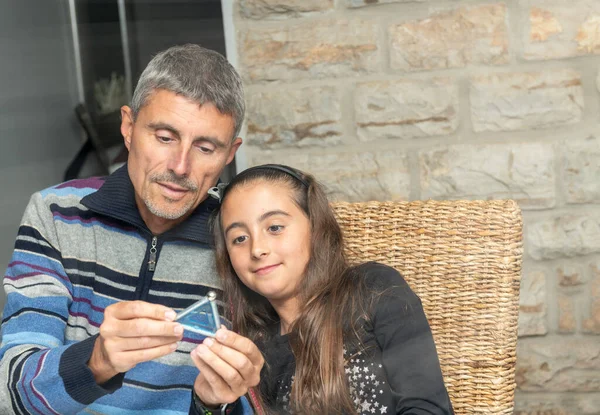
x: 393, y: 369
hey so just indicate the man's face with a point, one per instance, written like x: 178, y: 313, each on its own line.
x: 177, y: 150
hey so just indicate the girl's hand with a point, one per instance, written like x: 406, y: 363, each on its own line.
x: 229, y: 365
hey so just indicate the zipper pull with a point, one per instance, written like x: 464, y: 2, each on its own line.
x: 152, y: 260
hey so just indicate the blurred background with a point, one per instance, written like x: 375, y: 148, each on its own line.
x: 381, y: 100
x: 67, y: 68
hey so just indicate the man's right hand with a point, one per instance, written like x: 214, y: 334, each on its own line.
x: 133, y: 332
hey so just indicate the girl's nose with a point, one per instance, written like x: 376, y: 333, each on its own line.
x: 259, y: 248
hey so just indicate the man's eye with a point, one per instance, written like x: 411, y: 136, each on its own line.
x: 206, y: 150
x: 164, y: 139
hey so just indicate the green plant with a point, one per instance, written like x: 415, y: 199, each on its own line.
x: 110, y: 93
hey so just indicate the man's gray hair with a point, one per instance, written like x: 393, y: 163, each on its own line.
x: 199, y: 74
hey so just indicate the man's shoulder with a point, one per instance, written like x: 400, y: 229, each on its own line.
x: 62, y: 203
x: 77, y: 188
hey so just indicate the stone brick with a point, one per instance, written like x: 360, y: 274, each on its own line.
x: 315, y: 49
x: 588, y: 35
x: 362, y: 3
x: 451, y: 39
x: 581, y: 170
x: 532, y: 305
x: 587, y: 404
x: 544, y: 412
x: 520, y: 101
x: 352, y: 176
x: 563, y: 236
x: 555, y: 404
x: 543, y: 24
x: 567, y: 322
x: 570, y: 275
x: 294, y: 118
x: 523, y: 172
x: 406, y: 108
x: 273, y: 9
x: 591, y: 324
x: 560, y: 29
x: 560, y: 364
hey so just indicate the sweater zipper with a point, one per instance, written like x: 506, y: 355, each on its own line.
x: 152, y: 259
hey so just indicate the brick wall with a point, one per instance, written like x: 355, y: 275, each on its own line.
x: 453, y: 99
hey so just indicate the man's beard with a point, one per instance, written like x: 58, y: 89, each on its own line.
x: 170, y: 177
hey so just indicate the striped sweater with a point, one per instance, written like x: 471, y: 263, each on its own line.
x: 82, y: 246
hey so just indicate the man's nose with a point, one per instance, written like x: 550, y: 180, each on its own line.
x: 180, y: 161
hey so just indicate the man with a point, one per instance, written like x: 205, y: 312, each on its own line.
x: 101, y: 265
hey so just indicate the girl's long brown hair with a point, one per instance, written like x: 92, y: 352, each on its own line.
x: 330, y: 295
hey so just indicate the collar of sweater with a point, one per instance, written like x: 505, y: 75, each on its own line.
x: 116, y: 199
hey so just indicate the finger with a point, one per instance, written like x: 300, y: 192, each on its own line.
x: 141, y: 327
x: 229, y: 374
x: 220, y: 391
x: 126, y: 310
x: 238, y: 361
x: 124, y: 361
x: 240, y: 343
x: 138, y: 343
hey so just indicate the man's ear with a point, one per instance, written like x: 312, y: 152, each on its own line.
x: 234, y: 147
x: 126, y: 125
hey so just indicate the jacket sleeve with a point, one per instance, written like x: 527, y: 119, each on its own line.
x: 39, y: 372
x: 239, y: 407
x: 409, y: 355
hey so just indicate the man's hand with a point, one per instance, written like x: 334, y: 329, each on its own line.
x: 229, y: 365
x: 133, y: 332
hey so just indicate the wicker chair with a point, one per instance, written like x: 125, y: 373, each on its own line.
x: 463, y: 258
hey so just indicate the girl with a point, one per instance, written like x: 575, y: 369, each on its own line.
x: 337, y: 339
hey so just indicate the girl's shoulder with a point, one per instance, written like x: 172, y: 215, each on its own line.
x: 378, y: 276
x: 384, y: 285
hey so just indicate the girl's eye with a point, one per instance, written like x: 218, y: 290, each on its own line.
x: 275, y: 228
x: 239, y: 240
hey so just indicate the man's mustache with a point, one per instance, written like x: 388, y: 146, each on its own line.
x: 170, y: 177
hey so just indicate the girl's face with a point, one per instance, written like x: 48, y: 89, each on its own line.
x: 268, y: 238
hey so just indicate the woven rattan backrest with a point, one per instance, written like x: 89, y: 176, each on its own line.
x: 463, y: 259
